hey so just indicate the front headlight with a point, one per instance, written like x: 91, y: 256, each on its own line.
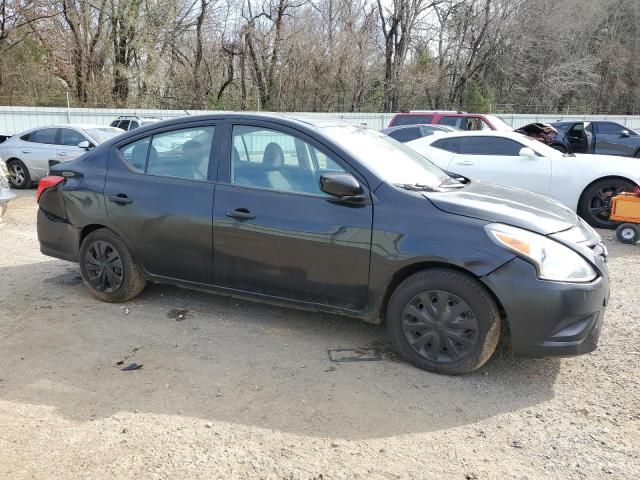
x: 553, y: 260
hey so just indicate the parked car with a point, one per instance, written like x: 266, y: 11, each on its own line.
x: 406, y: 133
x: 459, y: 120
x: 5, y: 194
x: 584, y: 183
x: 29, y: 154
x: 599, y: 137
x: 127, y: 122
x: 5, y: 136
x: 283, y: 212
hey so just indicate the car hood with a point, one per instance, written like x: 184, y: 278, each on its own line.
x: 501, y: 204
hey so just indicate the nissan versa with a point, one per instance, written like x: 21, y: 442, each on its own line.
x: 333, y: 217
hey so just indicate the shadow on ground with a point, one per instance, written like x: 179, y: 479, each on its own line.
x: 221, y: 359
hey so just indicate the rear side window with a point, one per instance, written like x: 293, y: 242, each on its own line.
x: 489, y: 146
x: 124, y: 124
x: 405, y: 134
x: 411, y: 120
x: 447, y: 144
x: 46, y: 135
x: 133, y: 125
x: 181, y: 153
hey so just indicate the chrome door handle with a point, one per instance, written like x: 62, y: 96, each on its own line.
x: 63, y: 154
x: 465, y: 162
x: 26, y: 151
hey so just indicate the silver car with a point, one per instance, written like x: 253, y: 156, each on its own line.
x: 27, y: 154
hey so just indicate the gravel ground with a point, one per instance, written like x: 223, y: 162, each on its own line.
x: 241, y: 390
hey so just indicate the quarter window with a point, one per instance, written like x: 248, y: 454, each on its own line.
x: 266, y: 158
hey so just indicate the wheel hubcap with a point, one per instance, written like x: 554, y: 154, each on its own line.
x: 439, y: 326
x: 104, y: 267
x: 16, y: 173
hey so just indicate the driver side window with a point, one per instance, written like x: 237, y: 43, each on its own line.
x: 265, y: 158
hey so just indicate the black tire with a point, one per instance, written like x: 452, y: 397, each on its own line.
x: 628, y: 233
x: 108, y: 269
x: 595, y: 202
x: 457, y: 341
x: 18, y: 174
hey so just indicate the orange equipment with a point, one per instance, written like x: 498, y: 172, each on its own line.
x: 626, y: 208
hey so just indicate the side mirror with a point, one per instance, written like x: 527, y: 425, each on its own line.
x: 624, y: 133
x: 85, y: 144
x: 341, y: 185
x: 528, y: 153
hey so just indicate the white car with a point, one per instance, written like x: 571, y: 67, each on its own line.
x: 5, y: 193
x: 27, y: 154
x: 584, y: 183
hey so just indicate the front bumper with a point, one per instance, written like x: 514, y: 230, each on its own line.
x: 549, y: 318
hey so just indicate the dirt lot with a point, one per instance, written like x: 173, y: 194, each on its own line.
x: 242, y: 390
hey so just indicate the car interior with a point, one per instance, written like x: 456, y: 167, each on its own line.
x: 285, y: 163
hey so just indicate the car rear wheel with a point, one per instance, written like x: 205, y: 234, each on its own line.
x: 18, y: 174
x: 595, y: 204
x: 108, y: 269
x: 443, y: 321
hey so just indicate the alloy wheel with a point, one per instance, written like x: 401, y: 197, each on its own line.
x: 599, y: 205
x: 440, y: 326
x: 16, y: 174
x: 104, y: 267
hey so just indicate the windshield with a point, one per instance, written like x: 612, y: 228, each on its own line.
x: 103, y: 134
x: 389, y: 159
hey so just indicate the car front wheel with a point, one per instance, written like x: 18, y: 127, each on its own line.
x: 595, y: 204
x: 108, y: 269
x: 18, y: 174
x: 443, y: 321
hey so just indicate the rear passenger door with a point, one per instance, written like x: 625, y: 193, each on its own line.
x: 38, y: 149
x: 159, y: 197
x: 275, y: 232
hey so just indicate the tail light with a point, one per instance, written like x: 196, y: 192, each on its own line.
x: 46, y: 183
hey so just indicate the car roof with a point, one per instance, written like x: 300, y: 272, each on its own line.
x: 287, y: 119
x: 415, y: 125
x: 484, y: 133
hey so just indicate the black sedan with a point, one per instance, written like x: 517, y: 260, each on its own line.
x: 600, y: 137
x: 332, y: 217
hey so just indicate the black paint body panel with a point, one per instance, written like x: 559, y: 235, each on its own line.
x: 306, y: 251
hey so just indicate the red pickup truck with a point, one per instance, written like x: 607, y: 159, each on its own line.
x: 461, y: 120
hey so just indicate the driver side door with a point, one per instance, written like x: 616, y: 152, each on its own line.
x: 275, y: 232
x: 67, y: 144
